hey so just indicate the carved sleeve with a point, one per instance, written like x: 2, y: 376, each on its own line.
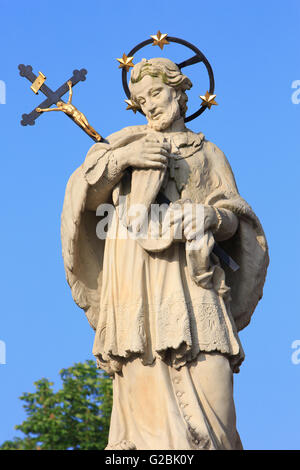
x: 227, y: 224
x: 102, y: 172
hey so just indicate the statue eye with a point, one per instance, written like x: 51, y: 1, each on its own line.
x: 156, y: 92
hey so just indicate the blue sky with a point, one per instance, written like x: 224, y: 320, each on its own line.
x: 253, y: 47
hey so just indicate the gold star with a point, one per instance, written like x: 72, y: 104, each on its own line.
x: 131, y: 105
x: 208, y: 100
x: 159, y: 39
x: 125, y: 62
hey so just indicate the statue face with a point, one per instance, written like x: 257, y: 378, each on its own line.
x: 158, y: 101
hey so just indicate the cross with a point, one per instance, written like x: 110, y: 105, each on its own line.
x: 52, y: 96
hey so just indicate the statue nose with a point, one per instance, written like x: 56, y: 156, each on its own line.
x: 150, y: 106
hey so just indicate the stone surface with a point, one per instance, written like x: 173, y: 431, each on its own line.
x: 166, y: 313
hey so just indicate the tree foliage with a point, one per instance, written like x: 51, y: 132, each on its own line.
x: 75, y: 417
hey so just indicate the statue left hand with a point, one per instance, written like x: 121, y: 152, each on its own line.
x: 193, y: 227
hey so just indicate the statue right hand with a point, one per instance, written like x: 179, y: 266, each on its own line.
x: 149, y: 152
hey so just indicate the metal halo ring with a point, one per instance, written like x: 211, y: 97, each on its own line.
x: 199, y: 57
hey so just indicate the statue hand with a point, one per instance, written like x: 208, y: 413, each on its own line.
x: 196, y: 223
x: 145, y: 153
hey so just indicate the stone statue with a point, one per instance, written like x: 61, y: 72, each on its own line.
x: 166, y: 317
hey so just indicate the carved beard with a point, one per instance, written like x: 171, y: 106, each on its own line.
x: 171, y: 114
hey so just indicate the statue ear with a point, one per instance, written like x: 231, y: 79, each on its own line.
x: 177, y: 93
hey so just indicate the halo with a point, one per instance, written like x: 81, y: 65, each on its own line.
x: 198, y: 57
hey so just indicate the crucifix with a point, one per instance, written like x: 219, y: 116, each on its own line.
x: 54, y: 97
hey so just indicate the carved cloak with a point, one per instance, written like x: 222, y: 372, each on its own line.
x: 214, y: 184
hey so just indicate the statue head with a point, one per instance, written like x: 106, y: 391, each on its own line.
x: 158, y: 87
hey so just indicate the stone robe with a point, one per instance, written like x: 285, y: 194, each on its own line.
x: 165, y: 318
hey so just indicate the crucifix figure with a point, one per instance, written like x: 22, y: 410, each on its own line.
x: 74, y: 113
x: 54, y: 97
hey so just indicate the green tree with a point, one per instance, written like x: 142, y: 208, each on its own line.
x: 75, y: 417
